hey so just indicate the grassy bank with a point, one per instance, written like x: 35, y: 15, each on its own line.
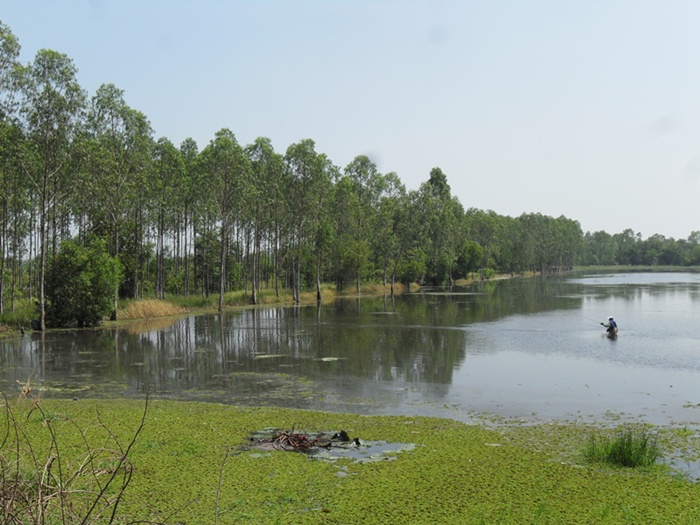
x: 151, y: 308
x: 187, y: 468
x: 174, y: 305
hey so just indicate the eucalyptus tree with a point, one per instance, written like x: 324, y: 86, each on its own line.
x: 408, y: 238
x: 659, y: 250
x: 513, y: 246
x: 570, y: 237
x: 384, y: 237
x: 348, y: 253
x: 119, y: 157
x: 693, y: 248
x: 14, y: 209
x: 555, y: 242
x: 10, y: 181
x: 443, y: 216
x: 265, y: 202
x: 322, y: 232
x: 165, y: 181
x: 539, y: 230
x: 311, y: 176
x: 51, y: 106
x: 598, y: 249
x: 228, y: 173
x: 10, y: 70
x: 190, y: 194
x: 202, y: 222
x: 367, y: 184
x: 484, y: 228
x: 629, y: 246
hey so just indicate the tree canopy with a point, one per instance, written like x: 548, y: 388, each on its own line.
x: 182, y: 221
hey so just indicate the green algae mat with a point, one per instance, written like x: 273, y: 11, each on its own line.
x: 193, y: 463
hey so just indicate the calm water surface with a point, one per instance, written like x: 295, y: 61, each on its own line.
x: 525, y: 348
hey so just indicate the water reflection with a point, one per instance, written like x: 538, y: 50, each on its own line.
x: 519, y: 347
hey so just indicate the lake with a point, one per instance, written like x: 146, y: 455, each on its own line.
x: 522, y: 348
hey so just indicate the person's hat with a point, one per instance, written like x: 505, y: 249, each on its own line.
x: 610, y: 318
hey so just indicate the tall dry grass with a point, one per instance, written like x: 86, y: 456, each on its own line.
x: 146, y: 309
x: 149, y: 309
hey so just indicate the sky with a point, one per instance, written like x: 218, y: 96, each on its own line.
x: 588, y: 109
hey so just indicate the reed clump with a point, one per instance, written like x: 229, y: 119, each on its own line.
x: 626, y: 447
x: 149, y: 309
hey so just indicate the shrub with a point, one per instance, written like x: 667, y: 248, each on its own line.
x: 80, y: 284
x: 21, y: 316
x: 489, y: 273
x: 627, y: 447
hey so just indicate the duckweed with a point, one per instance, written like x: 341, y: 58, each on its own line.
x: 188, y: 469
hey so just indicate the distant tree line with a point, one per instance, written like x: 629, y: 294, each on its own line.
x: 231, y: 216
x: 628, y: 248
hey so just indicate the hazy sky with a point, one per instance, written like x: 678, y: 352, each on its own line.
x: 588, y: 109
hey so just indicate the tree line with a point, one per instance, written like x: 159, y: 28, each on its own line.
x: 180, y: 220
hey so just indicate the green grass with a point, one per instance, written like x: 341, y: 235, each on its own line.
x: 150, y: 308
x: 626, y: 447
x: 188, y: 468
x: 22, y: 316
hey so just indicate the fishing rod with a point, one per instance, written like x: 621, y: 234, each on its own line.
x: 596, y: 322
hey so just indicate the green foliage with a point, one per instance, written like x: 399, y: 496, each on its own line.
x: 457, y: 473
x: 489, y: 273
x: 177, y: 218
x: 470, y: 257
x: 22, y: 315
x: 412, y: 266
x: 81, y: 283
x: 55, y: 470
x: 627, y: 447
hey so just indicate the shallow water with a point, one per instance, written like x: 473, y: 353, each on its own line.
x: 524, y: 348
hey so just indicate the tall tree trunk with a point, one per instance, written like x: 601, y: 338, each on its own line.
x: 222, y: 266
x: 277, y: 259
x: 297, y: 283
x: 116, y: 289
x: 3, y: 244
x: 42, y: 267
x: 318, y: 278
x: 254, y: 269
x: 16, y: 261
x: 186, y: 255
x: 137, y: 249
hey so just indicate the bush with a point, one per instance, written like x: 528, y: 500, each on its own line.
x: 22, y: 315
x: 80, y: 284
x: 488, y: 273
x: 627, y: 447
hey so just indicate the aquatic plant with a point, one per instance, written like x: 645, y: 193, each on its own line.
x: 44, y: 481
x: 626, y: 447
x: 455, y: 473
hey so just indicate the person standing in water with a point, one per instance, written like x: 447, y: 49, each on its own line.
x: 610, y: 326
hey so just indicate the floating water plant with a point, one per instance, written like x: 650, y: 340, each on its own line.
x: 627, y: 447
